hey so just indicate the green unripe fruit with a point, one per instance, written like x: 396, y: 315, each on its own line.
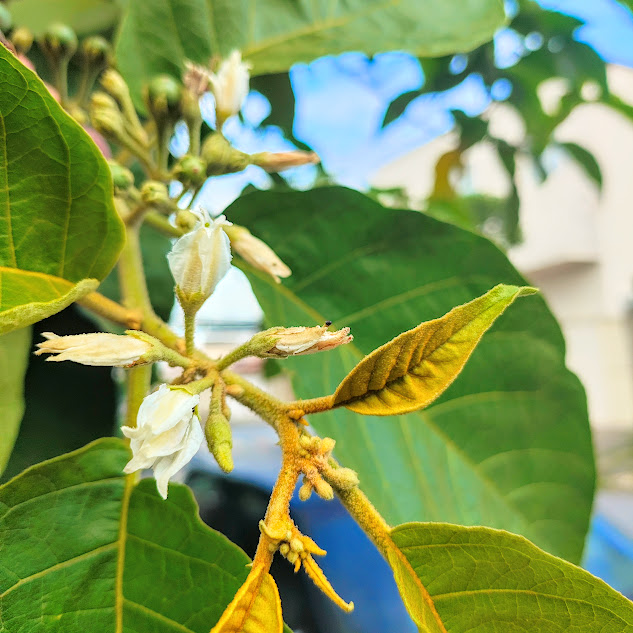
x: 122, y: 177
x: 163, y: 97
x: 59, y: 41
x: 96, y: 52
x: 6, y: 20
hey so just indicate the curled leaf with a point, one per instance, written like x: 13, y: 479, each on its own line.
x: 413, y: 369
x: 256, y: 607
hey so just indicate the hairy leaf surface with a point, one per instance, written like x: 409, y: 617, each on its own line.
x: 413, y: 369
x: 14, y: 358
x: 156, y: 37
x: 83, y: 549
x: 491, y: 581
x: 59, y: 232
x: 508, y: 443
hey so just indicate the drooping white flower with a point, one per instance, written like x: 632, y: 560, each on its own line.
x: 257, y: 253
x: 167, y: 434
x: 229, y: 86
x: 199, y: 260
x: 295, y: 341
x: 94, y: 349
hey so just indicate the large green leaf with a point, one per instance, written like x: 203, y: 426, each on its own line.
x: 508, y: 444
x: 156, y: 37
x: 491, y: 581
x: 14, y: 358
x: 59, y: 232
x: 83, y: 549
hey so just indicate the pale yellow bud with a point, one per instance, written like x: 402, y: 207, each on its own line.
x: 305, y: 492
x: 323, y: 489
x: 99, y: 349
x: 284, y: 549
x: 295, y: 341
x: 279, y: 161
x: 257, y: 253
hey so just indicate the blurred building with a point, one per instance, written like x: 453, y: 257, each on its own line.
x: 577, y: 241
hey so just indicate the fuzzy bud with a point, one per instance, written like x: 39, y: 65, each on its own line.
x: 295, y: 341
x: 327, y: 445
x: 220, y: 440
x: 305, y: 492
x: 296, y: 545
x: 257, y: 253
x: 22, y: 39
x: 96, y: 52
x: 284, y: 549
x: 221, y: 157
x: 195, y: 79
x: 185, y: 219
x: 229, y: 86
x: 99, y: 349
x: 122, y: 177
x: 343, y: 478
x: 163, y: 97
x: 190, y: 171
x: 156, y: 195
x: 59, y: 42
x: 199, y: 260
x: 106, y: 117
x: 323, y: 489
x: 279, y: 161
x: 292, y: 557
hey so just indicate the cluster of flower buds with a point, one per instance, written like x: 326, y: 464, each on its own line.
x: 167, y: 434
x: 199, y: 260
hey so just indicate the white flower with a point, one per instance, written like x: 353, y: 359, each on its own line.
x: 167, y: 434
x: 257, y: 253
x: 294, y: 341
x: 94, y: 349
x: 199, y: 259
x: 229, y: 86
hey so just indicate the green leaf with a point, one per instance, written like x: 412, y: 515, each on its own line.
x: 415, y: 368
x: 274, y: 34
x: 84, y: 16
x: 491, y: 581
x: 14, y: 358
x: 59, y: 232
x: 83, y: 549
x: 508, y: 444
x: 586, y: 160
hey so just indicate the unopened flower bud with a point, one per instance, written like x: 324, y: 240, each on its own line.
x: 106, y: 117
x: 296, y: 545
x: 343, y: 478
x: 59, y: 42
x: 305, y: 492
x: 229, y: 86
x: 122, y: 177
x: 327, y: 445
x: 99, y: 349
x: 185, y: 219
x: 156, y: 195
x: 162, y: 96
x: 190, y: 171
x: 292, y: 557
x: 96, y: 51
x: 221, y: 157
x: 279, y: 161
x: 257, y: 253
x: 195, y: 79
x: 199, y: 260
x: 295, y: 341
x: 22, y: 39
x: 220, y: 440
x: 167, y: 434
x: 323, y: 489
x: 284, y: 549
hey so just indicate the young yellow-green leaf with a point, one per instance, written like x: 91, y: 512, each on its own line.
x: 14, y: 358
x: 492, y: 581
x: 256, y: 607
x: 274, y: 34
x: 85, y: 550
x: 508, y: 443
x: 59, y: 231
x: 413, y: 369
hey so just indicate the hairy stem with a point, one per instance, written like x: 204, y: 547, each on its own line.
x: 315, y: 405
x: 111, y: 310
x: 162, y: 224
x: 190, y: 327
